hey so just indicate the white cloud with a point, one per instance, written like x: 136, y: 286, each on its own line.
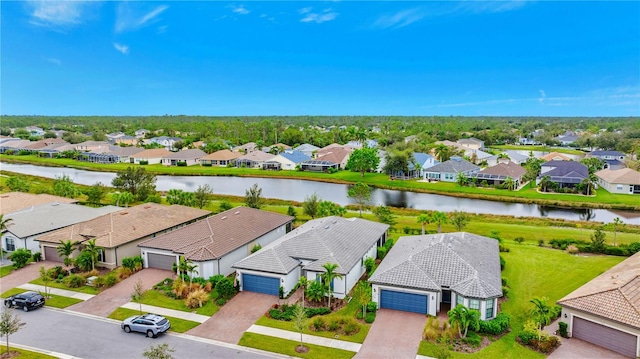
x: 318, y: 18
x: 542, y: 96
x: 56, y: 13
x: 305, y: 10
x: 491, y: 6
x: 399, y: 19
x: 122, y: 48
x: 54, y: 61
x: 128, y: 19
x: 162, y: 29
x: 240, y: 9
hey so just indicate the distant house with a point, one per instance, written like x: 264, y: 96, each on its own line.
x: 276, y: 149
x: 126, y: 140
x: 424, y: 161
x: 366, y: 144
x: 567, y: 138
x: 410, y: 138
x: 499, y: 173
x: 555, y: 156
x: 254, y: 159
x: 93, y: 146
x: 124, y: 154
x: 287, y: 160
x: 111, y: 137
x: 35, y: 131
x: 246, y: 148
x: 514, y: 156
x: 188, y: 157
x: 623, y: 181
x: 338, y: 155
x: 221, y: 158
x: 527, y: 141
x: 448, y: 171
x: 612, y: 159
x: 166, y: 142
x: 472, y: 143
x: 28, y: 224
x: 347, y: 242
x: 307, y: 149
x: 215, y: 243
x: 119, y: 233
x: 141, y: 133
x: 150, y: 157
x: 567, y: 174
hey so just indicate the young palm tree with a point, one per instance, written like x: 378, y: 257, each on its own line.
x: 191, y: 268
x: 616, y: 222
x: 463, y: 318
x: 91, y: 247
x: 510, y: 183
x: 302, y: 283
x: 545, y: 183
x: 439, y: 218
x: 541, y: 312
x: 4, y: 223
x: 329, y: 276
x: 65, y: 249
x: 424, y: 219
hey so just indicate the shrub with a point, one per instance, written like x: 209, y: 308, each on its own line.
x: 256, y: 247
x: 200, y: 281
x: 124, y: 273
x: 562, y: 329
x: 519, y: 240
x: 505, y: 290
x: 382, y: 251
x: 181, y: 164
x: 496, y: 326
x: 546, y: 344
x: 472, y: 339
x: 572, y: 249
x: 91, y: 273
x: 504, y: 282
x: 312, y: 312
x: 334, y: 325
x: 37, y: 257
x: 134, y: 264
x: 372, y: 307
x: 143, y: 163
x: 371, y: 316
x: 319, y: 324
x: 207, y: 164
x: 225, y: 288
x: 633, y: 248
x: 221, y: 301
x: 431, y: 330
x: 196, y: 299
x: 180, y: 288
x: 74, y: 281
x: 20, y: 257
x: 283, y: 312
x: 615, y: 251
x: 541, y: 242
x: 350, y: 327
x: 56, y: 272
x: 503, y: 248
x: 208, y: 287
x: 110, y: 280
x: 503, y: 263
x: 215, y: 279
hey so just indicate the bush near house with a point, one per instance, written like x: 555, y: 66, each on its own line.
x: 496, y: 326
x: 537, y: 339
x: 286, y: 312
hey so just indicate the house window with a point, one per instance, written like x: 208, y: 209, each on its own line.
x: 11, y: 244
x: 619, y: 187
x: 489, y: 310
x: 474, y: 304
x: 101, y: 255
x: 459, y: 299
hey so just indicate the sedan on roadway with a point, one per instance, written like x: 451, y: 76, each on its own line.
x: 150, y: 324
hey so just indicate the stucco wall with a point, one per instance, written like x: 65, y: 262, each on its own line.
x: 483, y: 305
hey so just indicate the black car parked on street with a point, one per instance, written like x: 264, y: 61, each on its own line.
x: 26, y: 301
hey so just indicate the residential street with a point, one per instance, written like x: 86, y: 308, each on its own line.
x: 87, y: 338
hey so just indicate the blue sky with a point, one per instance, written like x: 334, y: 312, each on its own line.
x: 499, y: 58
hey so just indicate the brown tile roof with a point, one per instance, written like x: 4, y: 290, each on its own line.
x: 614, y: 295
x: 15, y: 201
x: 335, y: 155
x: 555, y: 156
x: 257, y: 156
x: 510, y: 169
x: 121, y: 227
x: 153, y: 153
x: 622, y: 176
x: 224, y: 155
x: 215, y: 236
x: 186, y: 154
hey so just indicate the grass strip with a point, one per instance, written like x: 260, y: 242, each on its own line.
x: 287, y: 347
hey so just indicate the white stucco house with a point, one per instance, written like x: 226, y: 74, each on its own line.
x: 623, y: 181
x: 215, y: 243
x: 448, y: 171
x: 289, y: 159
x: 431, y: 273
x: 347, y: 242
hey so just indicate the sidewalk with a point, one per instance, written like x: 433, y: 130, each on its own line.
x: 56, y: 291
x: 167, y: 312
x: 306, y: 338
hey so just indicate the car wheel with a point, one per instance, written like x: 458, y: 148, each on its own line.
x: 25, y: 308
x: 150, y: 334
x: 8, y: 304
x: 127, y: 329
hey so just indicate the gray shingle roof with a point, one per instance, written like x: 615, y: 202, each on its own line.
x: 453, y: 166
x: 343, y: 241
x: 467, y: 263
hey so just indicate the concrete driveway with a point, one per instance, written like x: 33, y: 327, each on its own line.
x: 235, y: 317
x: 24, y: 275
x: 572, y: 348
x: 393, y: 335
x: 112, y: 298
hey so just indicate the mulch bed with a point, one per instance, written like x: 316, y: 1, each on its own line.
x: 302, y: 349
x: 10, y: 354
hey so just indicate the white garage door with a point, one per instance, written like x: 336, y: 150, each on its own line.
x: 612, y: 339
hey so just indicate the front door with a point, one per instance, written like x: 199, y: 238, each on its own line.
x: 446, y: 296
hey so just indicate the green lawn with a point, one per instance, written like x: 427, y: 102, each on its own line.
x: 53, y: 284
x: 26, y: 354
x: 177, y: 325
x: 287, y: 347
x: 55, y: 301
x: 158, y: 299
x: 6, y: 270
x: 532, y: 271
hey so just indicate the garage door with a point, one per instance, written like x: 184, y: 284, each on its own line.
x: 621, y: 342
x: 51, y: 254
x: 408, y: 302
x: 261, y: 284
x: 160, y: 261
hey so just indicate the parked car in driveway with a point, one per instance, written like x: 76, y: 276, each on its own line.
x: 26, y: 301
x: 150, y: 324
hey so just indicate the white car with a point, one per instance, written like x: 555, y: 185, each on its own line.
x: 150, y: 324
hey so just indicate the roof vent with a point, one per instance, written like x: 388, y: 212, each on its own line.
x: 225, y: 217
x: 123, y: 213
x: 55, y: 204
x: 147, y: 206
x: 326, y: 227
x: 236, y: 212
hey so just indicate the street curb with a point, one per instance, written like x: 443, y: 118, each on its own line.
x: 42, y: 351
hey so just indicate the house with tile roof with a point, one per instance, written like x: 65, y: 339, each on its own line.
x: 189, y: 157
x: 498, y: 174
x: 165, y: 141
x: 555, y: 156
x: 338, y: 155
x: 221, y: 158
x: 623, y: 181
x: 513, y: 155
x: 606, y: 310
x: 119, y: 233
x: 150, y: 157
x: 246, y: 148
x: 93, y: 146
x: 347, y: 242
x: 32, y: 222
x: 287, y: 160
x: 612, y: 159
x: 307, y: 149
x: 431, y: 273
x: 16, y: 201
x: 215, y: 243
x: 448, y: 171
x: 472, y: 143
x: 566, y: 174
x: 255, y: 159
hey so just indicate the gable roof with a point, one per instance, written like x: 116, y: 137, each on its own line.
x: 125, y: 151
x: 467, y: 263
x: 295, y: 156
x: 153, y: 153
x: 215, y: 236
x: 605, y: 153
x: 224, y: 155
x: 470, y: 140
x: 565, y: 169
x: 335, y: 155
x: 621, y: 176
x: 454, y: 165
x: 306, y: 147
x: 51, y: 216
x: 127, y: 225
x: 555, y: 156
x: 504, y: 170
x: 422, y: 158
x: 16, y: 201
x: 186, y: 154
x: 516, y: 157
x: 615, y: 294
x: 257, y: 156
x: 343, y: 241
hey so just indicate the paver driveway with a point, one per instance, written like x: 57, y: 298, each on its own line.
x: 235, y: 317
x: 572, y: 348
x: 112, y: 298
x: 393, y: 335
x: 24, y: 275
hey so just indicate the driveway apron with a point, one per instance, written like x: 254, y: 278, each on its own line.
x: 112, y: 298
x: 394, y: 335
x: 235, y: 317
x: 24, y: 275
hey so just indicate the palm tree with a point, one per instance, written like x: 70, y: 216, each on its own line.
x: 442, y: 152
x: 329, y: 276
x: 4, y: 223
x: 65, y: 249
x: 91, y: 247
x: 616, y: 222
x: 191, y: 268
x: 302, y: 283
x: 180, y: 267
x: 589, y: 183
x: 545, y: 183
x: 439, y: 218
x: 510, y: 183
x: 461, y: 179
x: 463, y: 318
x: 424, y: 219
x: 541, y: 312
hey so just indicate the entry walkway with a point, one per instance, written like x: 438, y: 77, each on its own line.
x: 56, y: 291
x: 199, y: 318
x: 306, y: 338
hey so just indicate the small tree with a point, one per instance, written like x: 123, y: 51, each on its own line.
x: 464, y: 318
x: 45, y: 278
x: 302, y: 283
x: 160, y: 351
x: 253, y: 197
x: 20, y: 257
x: 424, y: 219
x: 93, y: 250
x: 439, y: 218
x: 191, y: 269
x: 597, y: 240
x: 9, y: 324
x: 292, y: 212
x: 310, y: 205
x: 362, y: 295
x: 63, y: 186
x: 329, y: 276
x: 384, y: 215
x: 203, y: 196
x: 224, y: 206
x: 95, y: 194
x: 363, y: 160
x: 541, y: 312
x: 65, y: 249
x: 459, y: 219
x: 299, y: 323
x: 617, y: 222
x: 137, y: 296
x: 361, y: 193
